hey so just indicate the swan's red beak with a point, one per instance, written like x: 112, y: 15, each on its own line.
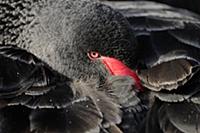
x: 117, y: 68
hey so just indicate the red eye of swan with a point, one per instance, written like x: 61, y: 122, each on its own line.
x: 93, y: 55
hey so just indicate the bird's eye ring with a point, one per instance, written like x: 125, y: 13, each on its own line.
x: 93, y: 55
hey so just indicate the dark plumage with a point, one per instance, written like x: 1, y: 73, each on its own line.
x: 191, y: 5
x: 168, y: 57
x: 48, y: 83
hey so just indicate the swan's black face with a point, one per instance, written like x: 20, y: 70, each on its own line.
x: 70, y: 35
x: 100, y: 33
